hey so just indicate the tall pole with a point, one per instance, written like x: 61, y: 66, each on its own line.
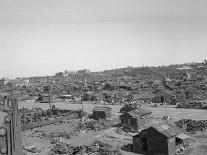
x: 11, y: 93
x: 82, y: 84
x: 48, y: 86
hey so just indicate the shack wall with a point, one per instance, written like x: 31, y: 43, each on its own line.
x: 154, y: 143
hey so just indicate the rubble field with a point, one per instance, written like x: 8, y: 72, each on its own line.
x: 175, y: 113
x: 76, y: 136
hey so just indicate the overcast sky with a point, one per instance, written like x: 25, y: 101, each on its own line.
x: 41, y: 37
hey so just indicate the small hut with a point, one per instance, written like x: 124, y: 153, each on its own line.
x: 135, y: 119
x: 161, y: 138
x: 102, y: 112
x: 45, y: 98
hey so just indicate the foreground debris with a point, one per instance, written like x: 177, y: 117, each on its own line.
x: 96, y: 146
x: 192, y: 125
x: 93, y: 125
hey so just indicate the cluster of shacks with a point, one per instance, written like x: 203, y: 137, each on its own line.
x: 154, y: 136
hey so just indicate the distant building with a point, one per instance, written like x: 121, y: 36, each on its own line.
x: 135, y: 119
x: 84, y: 71
x: 45, y: 98
x: 102, y: 112
x: 59, y: 74
x: 1, y: 82
x: 185, y: 68
x: 160, y: 139
x: 205, y: 62
x: 164, y: 96
x: 70, y: 72
x: 4, y: 81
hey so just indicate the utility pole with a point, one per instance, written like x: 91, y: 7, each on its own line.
x: 67, y: 85
x: 11, y: 94
x: 48, y: 87
x: 120, y: 99
x: 82, y: 84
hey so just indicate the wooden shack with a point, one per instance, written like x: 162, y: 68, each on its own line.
x: 159, y: 139
x: 164, y: 96
x: 102, y: 112
x: 135, y: 119
x: 45, y: 98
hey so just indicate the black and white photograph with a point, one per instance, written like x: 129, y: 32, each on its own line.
x: 103, y: 77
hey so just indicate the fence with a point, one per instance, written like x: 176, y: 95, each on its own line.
x: 10, y: 133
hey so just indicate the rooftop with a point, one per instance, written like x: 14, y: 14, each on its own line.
x: 139, y: 112
x: 168, y: 129
x: 101, y: 108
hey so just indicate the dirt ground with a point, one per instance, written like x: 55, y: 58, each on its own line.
x: 200, y: 145
x: 42, y: 137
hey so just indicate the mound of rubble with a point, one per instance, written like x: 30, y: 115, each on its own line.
x: 192, y: 125
x: 38, y: 114
x: 93, y: 125
x: 95, y: 147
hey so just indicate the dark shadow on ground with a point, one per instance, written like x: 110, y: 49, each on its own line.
x: 116, y: 125
x: 127, y: 147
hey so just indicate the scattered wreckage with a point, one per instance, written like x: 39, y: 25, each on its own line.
x: 37, y: 117
x: 96, y: 148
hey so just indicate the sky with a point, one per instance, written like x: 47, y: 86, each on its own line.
x: 42, y: 37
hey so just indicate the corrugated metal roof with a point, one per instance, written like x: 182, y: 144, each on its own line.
x: 100, y: 108
x: 166, y: 91
x: 167, y: 129
x: 183, y: 136
x: 139, y: 112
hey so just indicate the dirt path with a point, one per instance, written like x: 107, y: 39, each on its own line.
x: 199, y: 147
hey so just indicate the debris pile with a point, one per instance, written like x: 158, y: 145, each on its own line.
x: 93, y: 125
x: 65, y: 135
x: 192, y: 125
x: 95, y: 147
x: 38, y: 114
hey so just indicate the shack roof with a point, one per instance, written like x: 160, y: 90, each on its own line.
x: 137, y: 112
x: 165, y: 91
x: 101, y: 108
x: 140, y: 112
x: 167, y: 129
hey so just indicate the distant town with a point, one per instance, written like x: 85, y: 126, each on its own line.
x: 185, y: 84
x: 126, y: 111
